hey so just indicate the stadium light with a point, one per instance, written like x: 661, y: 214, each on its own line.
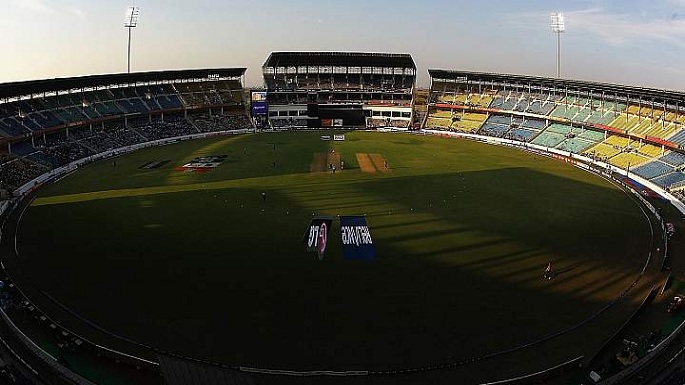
x: 558, y: 25
x: 131, y: 21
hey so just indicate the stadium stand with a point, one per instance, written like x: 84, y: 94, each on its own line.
x: 668, y: 180
x: 334, y: 91
x: 673, y: 158
x: 678, y: 138
x: 549, y: 139
x: 220, y: 122
x: 653, y: 169
x: 629, y: 127
x: 42, y: 133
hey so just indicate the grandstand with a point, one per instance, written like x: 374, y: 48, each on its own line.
x: 47, y: 124
x: 627, y: 127
x: 339, y: 89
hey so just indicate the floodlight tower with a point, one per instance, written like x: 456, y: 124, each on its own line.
x: 558, y: 26
x: 131, y: 22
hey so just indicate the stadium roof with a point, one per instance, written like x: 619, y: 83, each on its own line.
x: 576, y: 85
x: 342, y: 59
x: 62, y: 84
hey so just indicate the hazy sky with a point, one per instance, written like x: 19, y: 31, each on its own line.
x: 638, y: 42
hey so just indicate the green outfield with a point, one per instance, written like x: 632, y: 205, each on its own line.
x: 198, y: 264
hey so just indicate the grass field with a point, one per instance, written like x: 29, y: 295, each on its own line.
x: 197, y: 264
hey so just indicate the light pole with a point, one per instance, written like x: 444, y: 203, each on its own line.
x: 131, y: 22
x: 558, y: 26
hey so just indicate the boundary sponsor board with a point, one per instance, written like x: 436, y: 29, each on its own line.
x: 356, y: 238
x: 339, y: 137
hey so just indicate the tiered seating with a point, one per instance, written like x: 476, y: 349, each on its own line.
x: 171, y: 126
x: 602, y: 151
x: 169, y: 102
x: 628, y: 159
x: 455, y: 121
x: 11, y: 127
x: 650, y: 150
x: 567, y: 112
x: 617, y: 141
x: 673, y: 158
x: 662, y: 130
x: 535, y: 124
x: 477, y: 100
x: 595, y: 136
x: 22, y: 148
x: 505, y: 101
x: 120, y: 135
x: 542, y: 106
x: 96, y: 140
x: 653, y: 169
x: 575, y: 145
x: 549, y: 139
x: 522, y: 134
x: 625, y: 122
x: 642, y: 127
x: 220, y: 92
x: 678, y: 138
x: 469, y: 122
x: 58, y: 149
x: 577, y: 140
x: 670, y: 179
x: 495, y: 125
x: 15, y: 172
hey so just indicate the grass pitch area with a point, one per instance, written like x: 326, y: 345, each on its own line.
x: 198, y: 264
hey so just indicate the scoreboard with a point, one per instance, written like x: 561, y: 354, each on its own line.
x: 260, y: 105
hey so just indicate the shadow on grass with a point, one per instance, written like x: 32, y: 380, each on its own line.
x: 225, y: 276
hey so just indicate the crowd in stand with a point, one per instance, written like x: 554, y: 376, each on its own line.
x: 57, y: 149
x: 288, y: 123
x: 171, y: 126
x: 382, y: 123
x: 18, y: 171
x: 221, y: 122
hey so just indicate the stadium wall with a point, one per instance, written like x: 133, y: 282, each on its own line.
x: 576, y: 159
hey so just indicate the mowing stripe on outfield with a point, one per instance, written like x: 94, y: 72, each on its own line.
x: 154, y: 190
x: 143, y: 191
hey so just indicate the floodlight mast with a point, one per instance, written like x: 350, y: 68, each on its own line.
x: 131, y: 21
x: 558, y: 25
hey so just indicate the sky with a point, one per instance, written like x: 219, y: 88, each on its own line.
x: 635, y: 42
